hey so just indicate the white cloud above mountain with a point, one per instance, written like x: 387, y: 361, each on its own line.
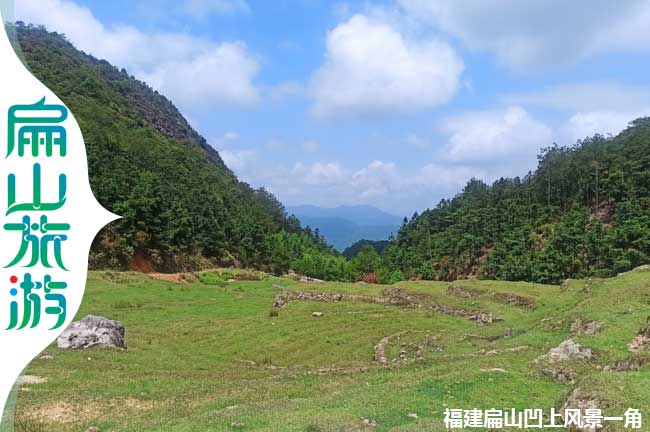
x: 503, y: 137
x: 592, y: 107
x: 372, y: 70
x: 527, y: 35
x: 192, y: 71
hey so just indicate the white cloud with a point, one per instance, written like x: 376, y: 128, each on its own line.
x: 376, y: 180
x: 370, y: 69
x: 526, y: 35
x: 237, y: 160
x: 593, y: 107
x: 222, y: 74
x: 583, y: 125
x: 191, y: 71
x: 320, y: 173
x: 505, y: 137
x: 443, y: 179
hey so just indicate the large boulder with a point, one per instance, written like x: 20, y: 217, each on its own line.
x: 93, y: 331
x: 567, y: 351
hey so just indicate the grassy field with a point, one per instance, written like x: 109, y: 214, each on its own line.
x: 204, y: 356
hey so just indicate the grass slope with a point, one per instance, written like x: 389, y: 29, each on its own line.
x: 212, y: 358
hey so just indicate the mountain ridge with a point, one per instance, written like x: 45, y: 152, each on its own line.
x: 182, y: 208
x: 343, y: 226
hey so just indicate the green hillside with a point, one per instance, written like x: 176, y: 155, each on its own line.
x: 584, y: 212
x: 182, y: 208
x: 214, y: 356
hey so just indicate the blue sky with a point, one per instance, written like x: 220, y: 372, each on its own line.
x: 394, y: 103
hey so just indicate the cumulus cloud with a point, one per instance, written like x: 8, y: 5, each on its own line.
x: 444, y: 180
x: 238, y: 160
x: 593, y: 107
x: 320, y: 173
x: 526, y: 35
x: 376, y: 180
x: 192, y: 71
x: 371, y: 69
x: 504, y: 137
x: 582, y: 125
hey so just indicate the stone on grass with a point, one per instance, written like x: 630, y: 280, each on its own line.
x: 93, y: 331
x: 317, y: 314
x: 567, y: 351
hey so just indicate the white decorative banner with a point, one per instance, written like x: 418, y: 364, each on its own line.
x: 48, y: 217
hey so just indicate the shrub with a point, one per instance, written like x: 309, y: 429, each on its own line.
x: 212, y: 279
x: 371, y: 278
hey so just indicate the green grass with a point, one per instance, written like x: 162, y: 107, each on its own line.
x: 210, y: 357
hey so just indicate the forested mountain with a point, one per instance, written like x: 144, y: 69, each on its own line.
x: 378, y: 245
x: 344, y: 225
x: 182, y: 208
x: 584, y: 212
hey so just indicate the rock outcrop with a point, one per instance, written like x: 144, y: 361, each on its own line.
x: 93, y: 331
x: 567, y: 351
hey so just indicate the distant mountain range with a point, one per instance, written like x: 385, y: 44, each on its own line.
x: 344, y: 225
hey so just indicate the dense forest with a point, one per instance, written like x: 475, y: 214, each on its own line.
x: 181, y: 207
x: 378, y: 245
x: 585, y: 210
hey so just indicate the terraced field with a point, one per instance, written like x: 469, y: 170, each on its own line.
x: 279, y: 355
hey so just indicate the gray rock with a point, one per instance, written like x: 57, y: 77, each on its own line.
x: 93, y: 331
x: 567, y: 351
